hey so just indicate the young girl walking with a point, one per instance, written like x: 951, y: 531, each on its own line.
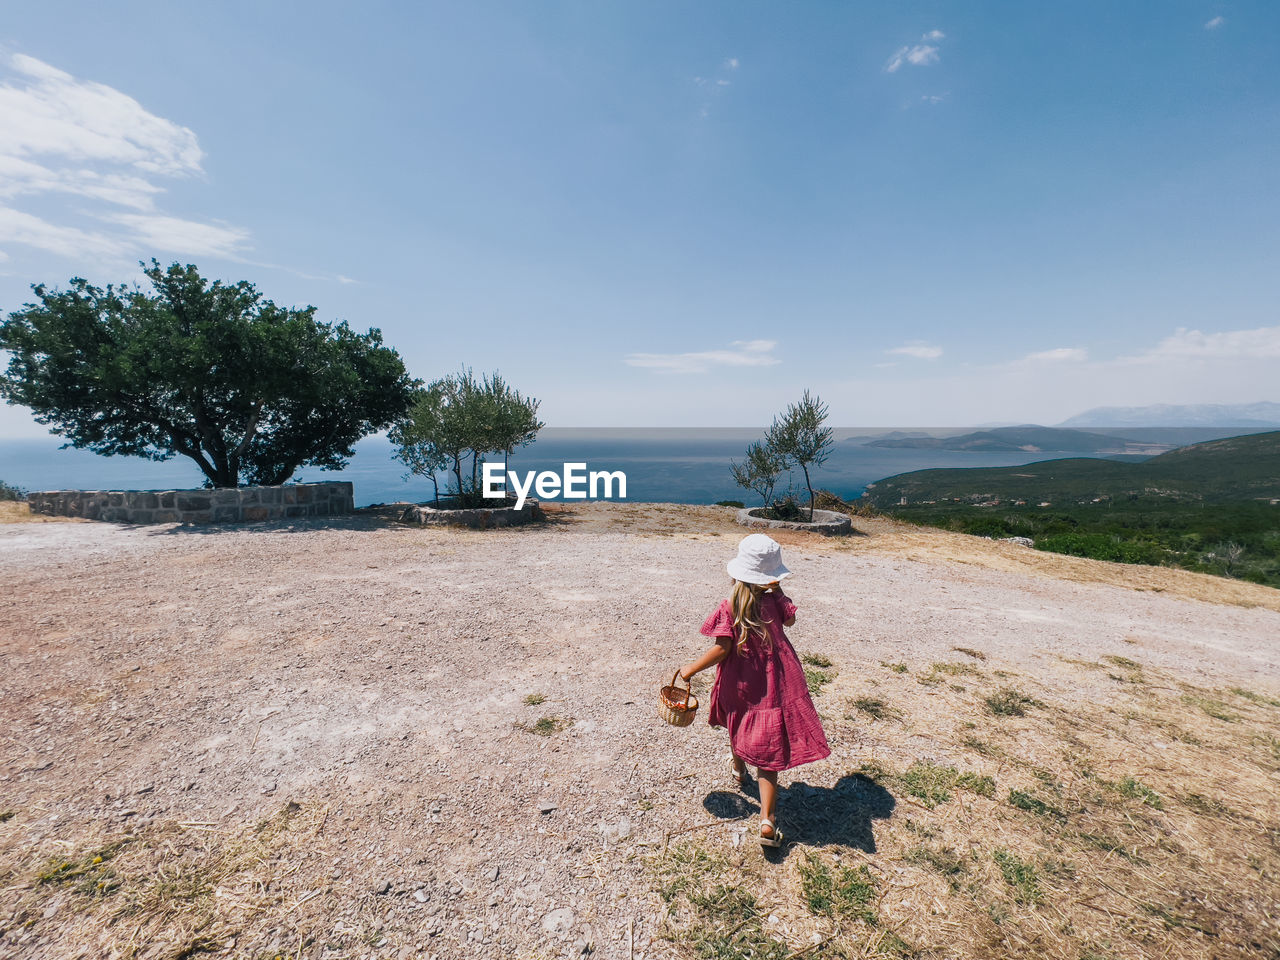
x: 760, y: 694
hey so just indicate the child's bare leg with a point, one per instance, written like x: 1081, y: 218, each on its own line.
x: 768, y: 798
x: 739, y: 767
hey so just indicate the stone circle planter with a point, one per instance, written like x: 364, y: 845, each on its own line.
x: 827, y: 522
x: 482, y: 518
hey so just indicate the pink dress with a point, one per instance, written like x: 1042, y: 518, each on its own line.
x: 760, y: 694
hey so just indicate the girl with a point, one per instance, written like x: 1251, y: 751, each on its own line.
x: 760, y: 693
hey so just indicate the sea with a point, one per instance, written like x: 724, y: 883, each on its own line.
x: 672, y: 465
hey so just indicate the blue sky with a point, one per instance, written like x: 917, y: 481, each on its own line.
x: 684, y: 214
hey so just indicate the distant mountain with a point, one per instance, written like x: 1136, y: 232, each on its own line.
x: 1232, y: 470
x: 1027, y: 437
x: 865, y: 439
x: 1173, y: 415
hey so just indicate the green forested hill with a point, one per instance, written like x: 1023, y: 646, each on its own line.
x: 1212, y: 507
x: 1219, y: 471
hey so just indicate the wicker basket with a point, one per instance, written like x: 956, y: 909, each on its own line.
x: 677, y: 705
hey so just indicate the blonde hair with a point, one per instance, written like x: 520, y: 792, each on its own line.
x: 744, y: 601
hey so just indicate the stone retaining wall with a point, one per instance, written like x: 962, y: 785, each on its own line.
x: 480, y: 517
x: 241, y: 505
x: 827, y: 522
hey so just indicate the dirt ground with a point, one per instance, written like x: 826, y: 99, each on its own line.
x: 352, y: 738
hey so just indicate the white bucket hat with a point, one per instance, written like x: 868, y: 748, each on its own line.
x: 759, y: 561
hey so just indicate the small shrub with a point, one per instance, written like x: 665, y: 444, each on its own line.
x: 816, y: 679
x: 895, y: 667
x: 1009, y: 702
x: 969, y: 652
x: 1256, y: 697
x: 784, y: 508
x: 943, y: 861
x: 546, y: 726
x: 816, y: 660
x: 875, y: 708
x: 956, y: 669
x: 1213, y: 708
x: 730, y: 503
x: 1123, y: 662
x: 8, y: 492
x: 534, y: 699
x: 1207, y: 805
x: 1031, y: 804
x: 980, y: 784
x: 1136, y: 790
x: 1019, y: 875
x: 844, y: 892
x: 932, y: 784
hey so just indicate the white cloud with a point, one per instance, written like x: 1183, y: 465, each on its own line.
x: 184, y: 236
x: 918, y: 349
x: 1262, y: 343
x: 731, y: 63
x: 746, y: 353
x: 1059, y: 355
x: 934, y: 35
x: 918, y: 55
x: 1215, y: 23
x: 71, y: 137
x: 934, y: 99
x: 72, y: 242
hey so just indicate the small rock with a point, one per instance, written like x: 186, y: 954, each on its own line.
x: 493, y: 877
x: 546, y: 806
x: 558, y: 922
x: 382, y: 887
x: 149, y: 788
x: 620, y: 829
x: 420, y: 896
x: 581, y: 947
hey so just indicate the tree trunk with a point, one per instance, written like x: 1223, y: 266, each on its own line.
x: 809, y: 486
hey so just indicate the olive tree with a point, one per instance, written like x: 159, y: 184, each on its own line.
x: 799, y: 438
x: 454, y: 421
x: 759, y: 470
x: 248, y: 390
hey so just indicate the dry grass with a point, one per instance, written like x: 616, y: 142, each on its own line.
x: 1142, y: 826
x: 894, y: 538
x: 17, y: 511
x: 178, y: 889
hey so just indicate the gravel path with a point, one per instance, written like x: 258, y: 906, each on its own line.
x: 380, y: 673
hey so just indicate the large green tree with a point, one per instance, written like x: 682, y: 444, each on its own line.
x: 248, y: 390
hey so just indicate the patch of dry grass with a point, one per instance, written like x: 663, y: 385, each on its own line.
x: 169, y: 890
x: 1068, y: 831
x: 18, y: 511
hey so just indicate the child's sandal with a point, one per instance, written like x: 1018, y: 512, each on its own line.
x: 739, y: 776
x: 775, y: 835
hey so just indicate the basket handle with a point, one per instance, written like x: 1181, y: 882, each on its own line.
x: 688, y: 686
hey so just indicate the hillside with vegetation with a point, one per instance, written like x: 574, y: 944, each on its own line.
x: 1212, y: 507
x: 1026, y: 437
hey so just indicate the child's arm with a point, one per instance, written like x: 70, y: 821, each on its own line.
x: 776, y: 587
x: 708, y: 659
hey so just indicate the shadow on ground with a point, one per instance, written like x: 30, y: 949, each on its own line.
x: 842, y: 815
